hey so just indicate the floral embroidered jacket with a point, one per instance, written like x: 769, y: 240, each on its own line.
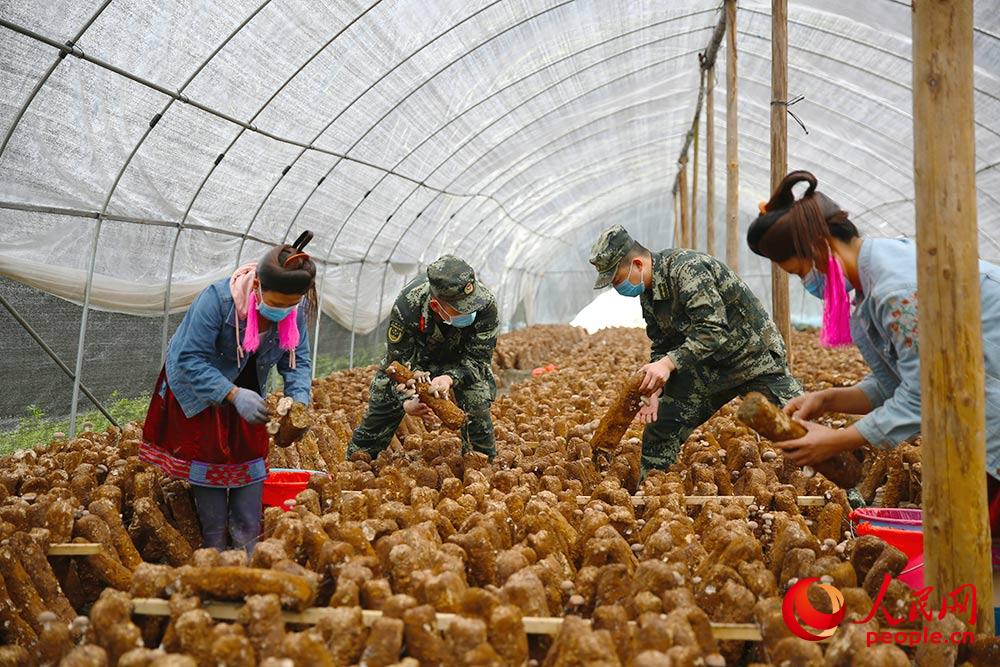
x: 884, y: 327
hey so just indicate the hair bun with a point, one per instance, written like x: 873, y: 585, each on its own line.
x: 784, y: 196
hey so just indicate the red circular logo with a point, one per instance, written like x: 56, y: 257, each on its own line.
x: 798, y: 611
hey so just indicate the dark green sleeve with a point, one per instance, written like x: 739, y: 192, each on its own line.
x: 477, y: 351
x: 400, y: 344
x: 656, y: 336
x: 698, y: 290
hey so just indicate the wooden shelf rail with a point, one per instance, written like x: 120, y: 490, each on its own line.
x: 533, y: 625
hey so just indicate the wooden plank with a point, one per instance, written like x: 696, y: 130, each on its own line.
x: 780, y: 310
x: 732, y: 145
x: 533, y: 625
x: 956, y: 526
x: 710, y: 161
x: 639, y: 501
x: 74, y: 549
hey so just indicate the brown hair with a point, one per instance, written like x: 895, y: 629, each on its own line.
x: 289, y: 270
x: 789, y: 227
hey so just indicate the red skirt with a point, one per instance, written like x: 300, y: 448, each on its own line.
x: 215, y: 447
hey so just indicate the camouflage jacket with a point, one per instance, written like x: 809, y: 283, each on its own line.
x: 418, y: 337
x: 705, y: 318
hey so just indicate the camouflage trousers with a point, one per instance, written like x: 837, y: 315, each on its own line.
x: 688, y: 401
x: 385, y: 412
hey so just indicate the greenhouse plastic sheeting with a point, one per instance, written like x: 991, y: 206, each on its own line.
x: 176, y: 140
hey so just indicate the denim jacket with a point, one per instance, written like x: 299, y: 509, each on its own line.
x: 884, y: 327
x: 201, y: 359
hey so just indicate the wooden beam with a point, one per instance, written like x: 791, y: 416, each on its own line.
x: 710, y: 161
x: 682, y: 190
x: 956, y: 526
x: 533, y: 625
x: 780, y: 311
x: 639, y: 501
x: 75, y: 549
x: 732, y: 145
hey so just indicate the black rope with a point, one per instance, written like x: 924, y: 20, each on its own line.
x: 787, y: 104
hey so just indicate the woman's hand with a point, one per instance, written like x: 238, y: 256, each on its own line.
x: 820, y: 443
x: 441, y: 385
x: 656, y: 374
x: 807, y: 406
x: 413, y: 406
x: 250, y: 405
x: 650, y: 407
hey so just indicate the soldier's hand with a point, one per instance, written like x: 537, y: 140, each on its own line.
x: 650, y: 407
x: 413, y: 406
x: 656, y: 374
x: 421, y: 376
x: 405, y: 390
x: 441, y: 385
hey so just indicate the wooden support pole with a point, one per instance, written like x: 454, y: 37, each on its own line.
x: 780, y: 311
x: 694, y: 180
x: 533, y: 625
x: 682, y: 190
x: 710, y: 161
x: 677, y: 219
x: 732, y: 145
x: 956, y: 527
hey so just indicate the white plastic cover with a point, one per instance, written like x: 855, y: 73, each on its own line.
x: 509, y: 132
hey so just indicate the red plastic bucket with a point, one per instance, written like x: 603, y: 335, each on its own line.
x: 284, y: 484
x: 902, y: 528
x: 913, y: 573
x: 910, y: 542
x: 889, y: 517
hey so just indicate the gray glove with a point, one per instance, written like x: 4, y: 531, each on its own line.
x: 250, y: 405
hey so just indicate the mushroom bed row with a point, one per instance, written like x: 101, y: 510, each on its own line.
x: 424, y: 530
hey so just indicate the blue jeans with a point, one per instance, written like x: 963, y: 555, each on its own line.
x: 230, y: 513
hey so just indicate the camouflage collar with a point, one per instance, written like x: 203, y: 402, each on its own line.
x: 426, y: 314
x: 661, y: 288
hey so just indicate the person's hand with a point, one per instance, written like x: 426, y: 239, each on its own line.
x: 250, y: 405
x: 656, y: 374
x: 421, y: 376
x: 413, y: 406
x: 441, y: 385
x: 406, y: 389
x: 817, y: 445
x: 650, y: 407
x: 807, y: 406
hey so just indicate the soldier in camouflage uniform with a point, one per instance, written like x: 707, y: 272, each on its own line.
x: 444, y: 325
x: 711, y: 338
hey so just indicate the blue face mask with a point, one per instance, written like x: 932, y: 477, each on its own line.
x: 463, y: 321
x: 627, y: 288
x: 272, y: 313
x: 815, y: 284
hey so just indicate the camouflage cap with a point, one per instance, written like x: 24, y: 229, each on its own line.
x: 608, y: 252
x: 454, y: 282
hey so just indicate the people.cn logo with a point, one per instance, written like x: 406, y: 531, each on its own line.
x: 798, y: 611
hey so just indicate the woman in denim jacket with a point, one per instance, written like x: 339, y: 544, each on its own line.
x: 206, y: 419
x: 812, y: 237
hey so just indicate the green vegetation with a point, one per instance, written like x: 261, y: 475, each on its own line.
x: 35, y: 428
